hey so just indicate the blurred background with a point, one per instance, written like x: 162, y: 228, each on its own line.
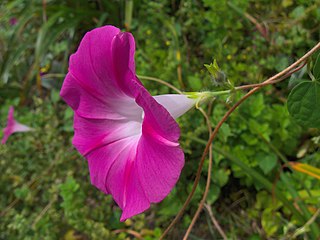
x: 45, y: 186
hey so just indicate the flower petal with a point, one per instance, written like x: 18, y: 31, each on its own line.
x: 154, y: 166
x: 91, y: 86
x: 159, y: 155
x: 87, y: 103
x: 103, y: 158
x: 13, y: 126
x: 91, y: 134
x: 123, y: 48
x: 176, y: 104
x: 92, y: 63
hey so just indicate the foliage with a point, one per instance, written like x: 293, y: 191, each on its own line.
x: 45, y: 186
x: 302, y: 102
x: 304, y: 99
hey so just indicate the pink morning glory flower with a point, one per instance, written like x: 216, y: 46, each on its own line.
x: 13, y: 21
x: 13, y: 126
x: 129, y: 138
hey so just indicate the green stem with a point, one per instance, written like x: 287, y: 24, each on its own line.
x: 206, y: 94
x: 54, y: 75
x: 128, y: 14
x: 202, y: 97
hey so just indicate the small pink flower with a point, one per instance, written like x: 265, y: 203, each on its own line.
x: 13, y: 126
x: 13, y: 21
x: 129, y: 138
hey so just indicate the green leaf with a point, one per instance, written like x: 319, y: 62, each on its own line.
x: 281, y: 63
x: 255, y: 237
x: 295, y: 81
x: 8, y: 92
x: 270, y: 222
x: 213, y: 194
x: 316, y: 68
x: 55, y: 97
x: 225, y: 132
x: 303, y: 104
x: 22, y: 192
x: 267, y: 162
x: 195, y: 83
x: 297, y: 77
x: 256, y: 106
x: 220, y: 176
x: 298, y: 12
x: 68, y: 114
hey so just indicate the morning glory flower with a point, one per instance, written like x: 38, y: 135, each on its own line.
x: 13, y: 21
x: 129, y: 138
x: 13, y: 126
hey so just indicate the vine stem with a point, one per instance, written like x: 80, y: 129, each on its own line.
x: 160, y: 81
x: 304, y: 227
x: 265, y: 83
x: 276, y: 77
x: 129, y: 231
x: 215, y: 222
x: 207, y: 188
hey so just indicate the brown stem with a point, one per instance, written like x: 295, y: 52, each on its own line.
x: 224, y: 118
x: 206, y: 191
x: 273, y: 82
x: 44, y: 10
x: 215, y: 222
x: 160, y: 81
x: 129, y: 231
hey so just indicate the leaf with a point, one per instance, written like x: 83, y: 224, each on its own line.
x: 21, y: 193
x: 267, y: 162
x: 293, y: 81
x: 281, y: 63
x: 220, y: 176
x: 270, y: 222
x: 225, y: 132
x: 303, y: 104
x: 72, y: 235
x: 286, y: 3
x: 306, y: 168
x: 8, y: 92
x: 255, y: 237
x: 316, y: 68
x: 256, y: 107
x: 213, y: 194
x: 55, y: 97
x: 195, y: 83
x: 297, y: 78
x: 298, y: 12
